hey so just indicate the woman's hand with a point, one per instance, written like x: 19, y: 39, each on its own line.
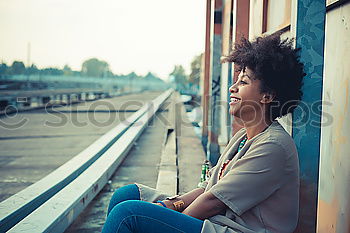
x: 187, y: 198
x: 168, y: 204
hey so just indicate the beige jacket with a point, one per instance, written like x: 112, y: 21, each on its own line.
x: 260, y: 186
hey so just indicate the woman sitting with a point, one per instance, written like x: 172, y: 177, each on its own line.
x: 255, y: 185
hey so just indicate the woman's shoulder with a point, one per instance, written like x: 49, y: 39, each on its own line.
x: 278, y: 136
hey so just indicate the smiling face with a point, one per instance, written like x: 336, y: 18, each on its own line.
x: 246, y: 99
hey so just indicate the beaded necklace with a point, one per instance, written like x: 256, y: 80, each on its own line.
x: 242, y: 143
x: 224, y: 165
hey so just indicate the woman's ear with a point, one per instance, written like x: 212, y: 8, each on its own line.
x: 267, y: 98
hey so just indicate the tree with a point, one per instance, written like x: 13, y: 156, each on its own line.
x: 196, y: 66
x: 150, y: 76
x: 4, y: 69
x: 179, y: 77
x: 51, y: 71
x: 95, y: 68
x: 18, y: 68
x: 132, y: 75
x: 32, y: 70
x: 67, y: 71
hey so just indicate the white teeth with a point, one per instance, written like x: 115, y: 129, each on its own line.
x: 233, y: 99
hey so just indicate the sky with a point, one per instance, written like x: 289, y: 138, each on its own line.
x: 131, y: 35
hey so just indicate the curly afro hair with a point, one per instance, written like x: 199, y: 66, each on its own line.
x: 276, y: 63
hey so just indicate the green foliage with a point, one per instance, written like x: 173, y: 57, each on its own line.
x: 32, y: 70
x: 17, y: 68
x: 196, y: 65
x: 51, y: 71
x: 95, y: 68
x: 132, y: 75
x: 3, y: 69
x: 67, y: 71
x: 150, y: 76
x: 179, y: 76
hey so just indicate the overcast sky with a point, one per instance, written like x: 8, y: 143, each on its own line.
x: 131, y: 35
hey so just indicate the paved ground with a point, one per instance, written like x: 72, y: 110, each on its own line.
x: 140, y: 165
x: 35, y: 143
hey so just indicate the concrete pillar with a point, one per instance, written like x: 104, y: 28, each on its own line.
x: 28, y: 103
x: 206, y: 78
x: 213, y: 151
x: 37, y: 101
x: 240, y: 27
x: 3, y: 104
x: 45, y: 99
x: 226, y: 80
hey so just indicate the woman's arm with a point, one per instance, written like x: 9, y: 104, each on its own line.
x: 205, y: 206
x: 187, y: 198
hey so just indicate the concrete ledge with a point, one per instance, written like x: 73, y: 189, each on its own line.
x: 190, y: 152
x: 167, y: 176
x: 183, y: 154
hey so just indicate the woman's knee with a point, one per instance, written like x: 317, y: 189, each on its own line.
x: 123, y: 209
x: 125, y: 193
x: 120, y: 217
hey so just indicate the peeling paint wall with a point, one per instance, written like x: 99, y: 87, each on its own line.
x: 334, y: 184
x: 307, y: 117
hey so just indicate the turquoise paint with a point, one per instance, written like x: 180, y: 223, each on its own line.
x: 310, y: 38
x: 310, y: 35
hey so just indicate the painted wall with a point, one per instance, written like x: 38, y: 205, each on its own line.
x: 213, y: 151
x: 326, y: 98
x: 225, y: 126
x: 307, y: 117
x: 206, y: 76
x: 334, y: 184
x: 278, y: 14
x: 240, y: 28
x: 255, y: 18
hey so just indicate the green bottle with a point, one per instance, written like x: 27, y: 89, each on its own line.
x: 205, y: 169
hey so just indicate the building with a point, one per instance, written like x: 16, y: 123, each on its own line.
x: 321, y: 125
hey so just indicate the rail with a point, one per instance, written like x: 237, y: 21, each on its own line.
x: 52, y: 203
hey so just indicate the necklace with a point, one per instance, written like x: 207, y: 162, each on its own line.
x: 225, y: 164
x: 242, y: 143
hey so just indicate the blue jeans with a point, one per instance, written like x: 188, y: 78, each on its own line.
x: 126, y: 213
